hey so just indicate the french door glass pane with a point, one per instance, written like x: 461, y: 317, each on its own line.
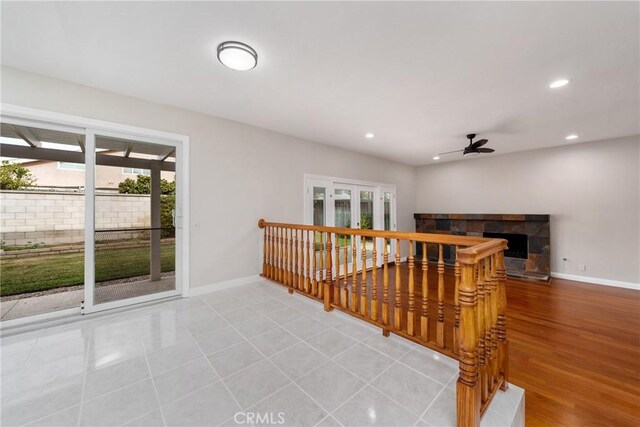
x: 319, y: 209
x: 387, y: 215
x: 342, y: 209
x: 319, y: 218
x: 367, y: 218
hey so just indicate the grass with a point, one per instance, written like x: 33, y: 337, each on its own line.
x: 23, y: 275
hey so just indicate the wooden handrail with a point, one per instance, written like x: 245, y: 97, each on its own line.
x: 322, y: 263
x: 445, y: 239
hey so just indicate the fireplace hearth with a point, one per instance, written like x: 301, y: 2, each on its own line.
x: 528, y: 255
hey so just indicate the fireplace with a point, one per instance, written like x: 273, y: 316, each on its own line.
x: 518, y: 243
x: 528, y: 255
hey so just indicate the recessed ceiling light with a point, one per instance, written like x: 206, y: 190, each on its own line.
x: 558, y: 83
x: 369, y: 135
x: 436, y: 157
x: 572, y: 136
x: 237, y: 56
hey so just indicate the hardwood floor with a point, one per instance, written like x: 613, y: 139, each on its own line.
x: 574, y: 348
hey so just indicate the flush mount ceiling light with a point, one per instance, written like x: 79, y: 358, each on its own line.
x: 572, y: 136
x: 237, y: 56
x: 369, y: 135
x: 559, y: 83
x: 436, y: 158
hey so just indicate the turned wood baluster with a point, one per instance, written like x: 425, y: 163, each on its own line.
x: 440, y: 324
x: 279, y: 276
x: 363, y: 280
x: 385, y: 286
x: 494, y: 322
x: 456, y: 302
x: 314, y: 277
x: 288, y: 266
x: 374, y: 282
x: 397, y: 308
x: 467, y: 391
x: 410, y: 314
x: 482, y: 327
x: 503, y: 360
x: 336, y: 283
x: 323, y: 272
x: 300, y: 269
x: 424, y: 320
x: 272, y: 253
x: 307, y: 285
x: 294, y: 260
x: 328, y: 281
x: 344, y: 292
x: 354, y: 275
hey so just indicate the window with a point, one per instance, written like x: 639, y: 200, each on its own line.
x: 136, y: 171
x: 71, y: 166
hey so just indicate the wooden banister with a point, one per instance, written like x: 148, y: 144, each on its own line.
x: 331, y: 265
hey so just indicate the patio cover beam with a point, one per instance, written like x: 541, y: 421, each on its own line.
x: 26, y: 135
x: 21, y: 152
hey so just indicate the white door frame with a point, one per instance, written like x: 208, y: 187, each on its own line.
x: 90, y: 127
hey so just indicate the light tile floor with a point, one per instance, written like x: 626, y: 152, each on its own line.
x: 253, y: 349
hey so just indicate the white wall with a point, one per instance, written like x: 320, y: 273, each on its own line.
x: 591, y: 191
x: 239, y: 173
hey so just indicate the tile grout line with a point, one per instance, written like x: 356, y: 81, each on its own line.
x: 396, y: 360
x: 153, y: 383
x: 212, y: 367
x: 291, y: 381
x: 84, y: 385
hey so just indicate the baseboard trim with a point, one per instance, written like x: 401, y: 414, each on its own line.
x: 597, y: 281
x: 226, y: 284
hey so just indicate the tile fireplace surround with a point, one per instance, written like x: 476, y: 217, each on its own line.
x: 534, y: 263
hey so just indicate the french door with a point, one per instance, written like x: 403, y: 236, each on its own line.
x: 338, y: 203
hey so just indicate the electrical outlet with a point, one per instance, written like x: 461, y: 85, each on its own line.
x: 582, y: 267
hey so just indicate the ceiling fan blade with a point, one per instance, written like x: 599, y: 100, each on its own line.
x: 479, y: 143
x: 485, y: 150
x: 448, y: 152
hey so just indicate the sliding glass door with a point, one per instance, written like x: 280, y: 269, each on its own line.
x: 134, y: 220
x: 105, y: 203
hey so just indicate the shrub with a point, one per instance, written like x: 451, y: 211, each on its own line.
x: 14, y: 176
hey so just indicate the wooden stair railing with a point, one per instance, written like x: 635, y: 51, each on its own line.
x: 322, y: 263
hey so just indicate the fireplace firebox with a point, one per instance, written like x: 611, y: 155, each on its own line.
x: 518, y: 243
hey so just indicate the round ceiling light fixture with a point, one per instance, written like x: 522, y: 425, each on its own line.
x: 237, y: 56
x: 559, y: 83
x: 436, y: 157
x: 369, y: 135
x: 572, y: 136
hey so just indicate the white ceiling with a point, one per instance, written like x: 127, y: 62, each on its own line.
x: 418, y: 75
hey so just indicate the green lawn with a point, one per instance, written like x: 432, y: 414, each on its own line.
x: 22, y: 275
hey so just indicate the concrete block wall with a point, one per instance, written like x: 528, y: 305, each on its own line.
x: 28, y: 217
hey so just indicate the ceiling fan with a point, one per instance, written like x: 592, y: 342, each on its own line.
x: 473, y: 148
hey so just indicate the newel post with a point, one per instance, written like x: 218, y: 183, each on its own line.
x: 503, y: 344
x: 261, y: 224
x: 467, y: 387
